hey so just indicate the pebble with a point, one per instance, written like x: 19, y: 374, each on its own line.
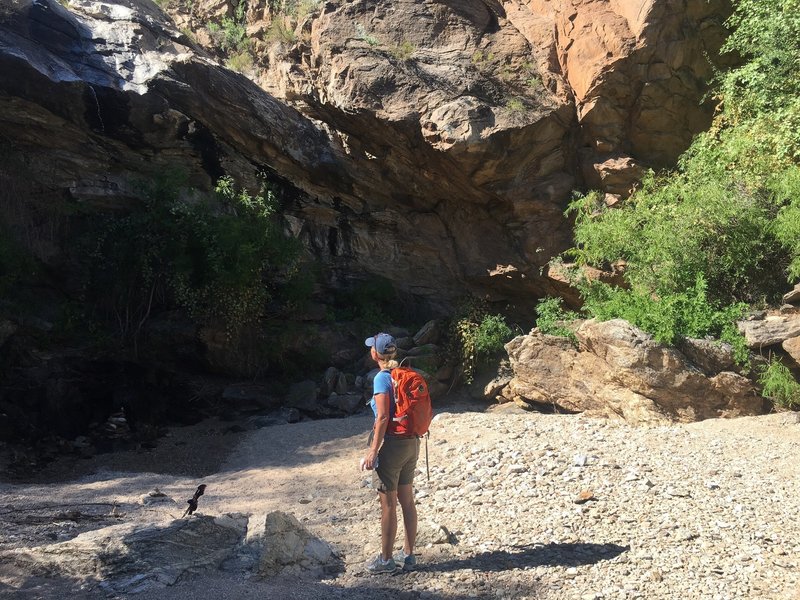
x: 691, y: 511
x: 656, y: 527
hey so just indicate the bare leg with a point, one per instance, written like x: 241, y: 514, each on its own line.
x: 388, y: 502
x: 405, y: 495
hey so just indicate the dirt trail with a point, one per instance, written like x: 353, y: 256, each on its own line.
x: 504, y: 482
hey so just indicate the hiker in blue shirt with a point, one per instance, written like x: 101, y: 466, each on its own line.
x: 393, y: 456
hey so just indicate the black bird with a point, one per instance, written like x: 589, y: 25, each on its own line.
x: 193, y: 500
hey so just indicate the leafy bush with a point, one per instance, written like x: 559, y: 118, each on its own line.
x: 362, y: 35
x: 492, y: 334
x: 767, y: 84
x: 724, y: 228
x: 297, y: 9
x: 475, y: 336
x: 231, y: 33
x: 222, y: 260
x: 515, y: 105
x: 675, y: 229
x: 240, y: 62
x: 552, y: 319
x: 779, y: 385
x: 234, y: 38
x: 671, y: 317
x: 280, y: 32
x: 403, y: 51
x: 787, y: 223
x: 304, y: 8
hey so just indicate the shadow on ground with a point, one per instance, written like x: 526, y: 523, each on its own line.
x: 549, y: 555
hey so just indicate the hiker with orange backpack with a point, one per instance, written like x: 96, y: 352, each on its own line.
x: 401, y: 405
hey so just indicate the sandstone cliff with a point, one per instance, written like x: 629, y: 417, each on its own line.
x: 434, y: 142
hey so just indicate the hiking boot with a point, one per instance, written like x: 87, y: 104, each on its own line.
x: 379, y: 565
x: 408, y: 562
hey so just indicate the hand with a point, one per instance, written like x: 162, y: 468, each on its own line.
x: 368, y: 462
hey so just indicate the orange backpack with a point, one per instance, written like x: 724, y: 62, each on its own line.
x: 413, y: 412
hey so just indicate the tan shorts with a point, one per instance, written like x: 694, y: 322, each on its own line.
x: 397, y: 461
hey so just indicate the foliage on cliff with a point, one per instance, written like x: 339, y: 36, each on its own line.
x: 724, y: 228
x: 220, y: 260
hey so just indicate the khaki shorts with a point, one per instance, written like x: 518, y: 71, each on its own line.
x: 397, y: 461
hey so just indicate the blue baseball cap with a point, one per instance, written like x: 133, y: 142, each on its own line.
x: 383, y: 343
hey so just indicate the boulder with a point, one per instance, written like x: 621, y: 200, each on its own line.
x: 428, y: 334
x: 342, y: 384
x: 710, y: 356
x: 288, y: 548
x: 771, y: 330
x: 792, y: 348
x: 347, y: 403
x: 488, y: 383
x: 405, y: 343
x: 329, y: 380
x: 619, y: 371
x: 793, y: 296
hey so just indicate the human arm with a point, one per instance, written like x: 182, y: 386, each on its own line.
x: 382, y: 406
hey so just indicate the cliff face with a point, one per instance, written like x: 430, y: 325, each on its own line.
x: 435, y: 143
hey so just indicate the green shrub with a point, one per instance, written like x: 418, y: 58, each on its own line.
x: 475, y: 336
x: 234, y: 36
x: 231, y: 33
x: 515, y: 105
x: 786, y: 187
x: 492, y: 334
x: 403, y: 51
x: 305, y: 8
x: 241, y: 62
x: 280, y: 32
x: 534, y: 82
x: 724, y: 228
x: 220, y: 260
x: 779, y: 385
x: 362, y: 35
x: 669, y: 317
x: 767, y: 83
x: 552, y: 319
x: 676, y: 228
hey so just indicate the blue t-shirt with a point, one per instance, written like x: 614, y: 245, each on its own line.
x: 383, y: 385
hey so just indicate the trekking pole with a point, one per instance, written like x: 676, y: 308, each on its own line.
x: 427, y: 466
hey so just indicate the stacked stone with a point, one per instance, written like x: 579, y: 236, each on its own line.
x: 346, y: 393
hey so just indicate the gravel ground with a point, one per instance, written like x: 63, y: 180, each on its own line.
x: 518, y: 505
